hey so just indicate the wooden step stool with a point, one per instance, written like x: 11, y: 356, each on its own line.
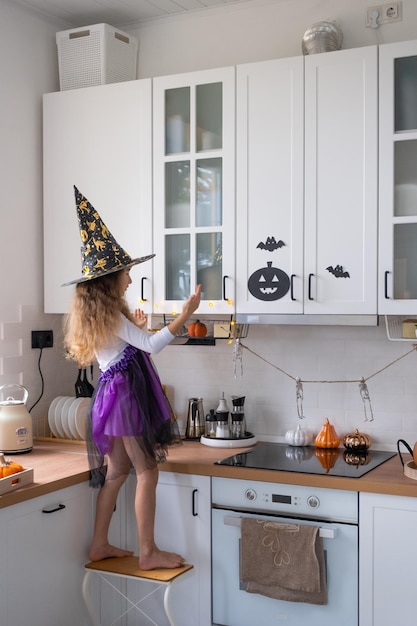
x: 127, y: 567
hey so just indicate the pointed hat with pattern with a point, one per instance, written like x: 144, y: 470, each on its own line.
x: 100, y: 252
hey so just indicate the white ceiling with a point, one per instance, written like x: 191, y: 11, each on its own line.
x: 116, y: 12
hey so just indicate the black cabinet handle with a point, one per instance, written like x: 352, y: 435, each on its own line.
x: 194, y: 502
x: 53, y: 508
x: 142, y: 295
x: 386, y: 285
x: 292, y: 287
x: 310, y: 276
x: 224, y: 287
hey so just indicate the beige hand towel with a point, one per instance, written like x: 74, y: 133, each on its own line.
x: 283, y: 561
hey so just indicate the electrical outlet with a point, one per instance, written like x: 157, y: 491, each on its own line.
x: 383, y: 14
x: 42, y: 339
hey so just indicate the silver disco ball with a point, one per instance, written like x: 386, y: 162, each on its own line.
x: 322, y: 37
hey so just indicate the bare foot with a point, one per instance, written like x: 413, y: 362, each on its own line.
x: 159, y: 558
x: 106, y: 551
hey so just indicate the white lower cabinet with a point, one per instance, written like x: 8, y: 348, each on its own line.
x: 43, y: 548
x: 387, y: 557
x: 182, y: 525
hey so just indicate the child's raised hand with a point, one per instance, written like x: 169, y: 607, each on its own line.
x: 140, y: 318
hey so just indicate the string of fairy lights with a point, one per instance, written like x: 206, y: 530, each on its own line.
x: 299, y: 391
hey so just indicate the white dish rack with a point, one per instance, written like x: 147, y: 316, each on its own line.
x: 394, y: 328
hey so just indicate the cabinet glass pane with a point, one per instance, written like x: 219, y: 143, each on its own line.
x: 209, y: 265
x: 177, y: 264
x: 177, y: 194
x: 209, y: 115
x: 177, y: 120
x: 209, y: 192
x: 405, y: 71
x: 405, y: 261
x: 405, y: 178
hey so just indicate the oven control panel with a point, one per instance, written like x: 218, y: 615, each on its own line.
x: 297, y: 500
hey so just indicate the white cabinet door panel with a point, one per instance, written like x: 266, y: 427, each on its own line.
x: 341, y: 182
x: 387, y: 557
x: 98, y: 139
x: 270, y: 186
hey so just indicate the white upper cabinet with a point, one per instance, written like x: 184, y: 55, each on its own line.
x: 398, y: 178
x: 194, y: 190
x: 307, y: 184
x: 269, y: 198
x: 100, y: 140
x: 341, y: 169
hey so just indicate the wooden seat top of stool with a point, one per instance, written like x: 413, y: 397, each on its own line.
x: 128, y: 566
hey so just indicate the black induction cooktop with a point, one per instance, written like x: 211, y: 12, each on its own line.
x: 309, y: 460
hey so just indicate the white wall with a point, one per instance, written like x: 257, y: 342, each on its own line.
x: 254, y: 31
x: 28, y: 68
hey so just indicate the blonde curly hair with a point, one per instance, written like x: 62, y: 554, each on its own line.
x: 94, y: 317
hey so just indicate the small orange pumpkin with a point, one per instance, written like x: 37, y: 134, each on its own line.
x: 327, y: 437
x: 7, y: 468
x: 197, y: 329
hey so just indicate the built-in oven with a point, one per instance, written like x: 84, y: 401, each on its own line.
x: 334, y: 512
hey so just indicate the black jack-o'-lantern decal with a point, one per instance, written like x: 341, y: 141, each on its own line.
x: 269, y: 283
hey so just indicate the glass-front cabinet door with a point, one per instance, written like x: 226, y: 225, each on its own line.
x: 194, y: 185
x: 398, y: 178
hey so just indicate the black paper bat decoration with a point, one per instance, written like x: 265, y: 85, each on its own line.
x: 338, y: 271
x: 271, y: 244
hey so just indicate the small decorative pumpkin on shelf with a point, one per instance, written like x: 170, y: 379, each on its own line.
x: 327, y: 457
x: 357, y: 441
x: 298, y: 436
x: 7, y: 468
x: 327, y: 437
x: 197, y: 329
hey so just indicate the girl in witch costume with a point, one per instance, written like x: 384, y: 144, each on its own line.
x: 130, y: 420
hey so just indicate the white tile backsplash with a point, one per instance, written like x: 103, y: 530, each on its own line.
x: 312, y: 353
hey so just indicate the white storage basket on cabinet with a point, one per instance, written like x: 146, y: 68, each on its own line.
x: 95, y: 55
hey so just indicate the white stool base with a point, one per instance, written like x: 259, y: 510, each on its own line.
x: 127, y: 567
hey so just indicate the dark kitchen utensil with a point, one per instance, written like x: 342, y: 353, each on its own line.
x: 83, y: 387
x: 401, y: 441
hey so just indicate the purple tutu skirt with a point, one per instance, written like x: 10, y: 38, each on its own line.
x: 129, y: 401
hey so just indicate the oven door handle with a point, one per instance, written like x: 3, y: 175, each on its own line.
x: 326, y: 533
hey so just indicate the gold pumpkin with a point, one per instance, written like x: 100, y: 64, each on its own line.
x: 327, y: 437
x: 356, y: 441
x: 356, y: 458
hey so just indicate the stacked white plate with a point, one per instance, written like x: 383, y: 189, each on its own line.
x: 67, y: 417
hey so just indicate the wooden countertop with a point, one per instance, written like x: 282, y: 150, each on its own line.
x: 58, y: 465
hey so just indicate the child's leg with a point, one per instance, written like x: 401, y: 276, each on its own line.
x: 145, y: 500
x: 117, y: 472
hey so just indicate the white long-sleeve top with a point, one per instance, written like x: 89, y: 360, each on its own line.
x: 130, y: 334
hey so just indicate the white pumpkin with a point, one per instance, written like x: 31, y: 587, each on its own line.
x: 298, y: 437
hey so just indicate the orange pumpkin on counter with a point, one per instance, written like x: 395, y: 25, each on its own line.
x: 197, y: 329
x: 327, y: 437
x: 7, y: 468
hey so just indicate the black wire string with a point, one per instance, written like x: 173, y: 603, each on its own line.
x: 42, y: 381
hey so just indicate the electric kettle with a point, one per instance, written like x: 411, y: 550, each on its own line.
x: 15, y: 420
x: 195, y: 419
